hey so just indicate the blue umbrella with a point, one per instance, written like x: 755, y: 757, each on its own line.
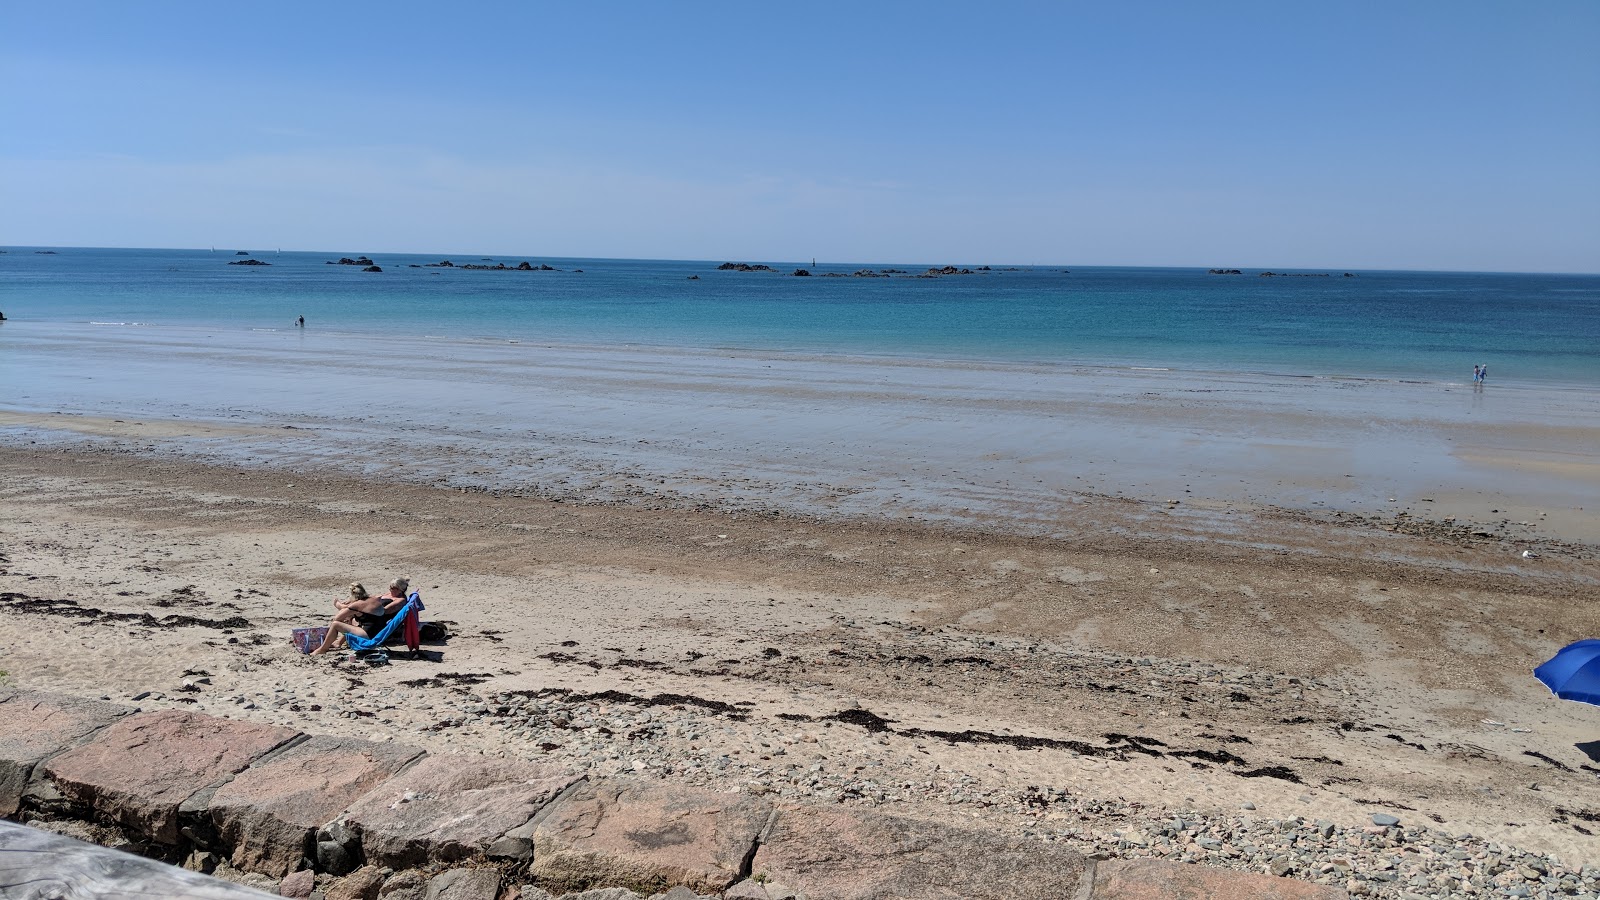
x: 1574, y: 672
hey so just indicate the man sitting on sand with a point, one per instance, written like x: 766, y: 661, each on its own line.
x: 362, y: 615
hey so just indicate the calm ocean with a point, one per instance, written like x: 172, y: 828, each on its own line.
x: 1531, y: 329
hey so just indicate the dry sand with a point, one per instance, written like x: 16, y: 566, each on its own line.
x: 1351, y: 666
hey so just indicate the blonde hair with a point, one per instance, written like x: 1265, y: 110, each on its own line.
x: 401, y: 583
x: 357, y: 591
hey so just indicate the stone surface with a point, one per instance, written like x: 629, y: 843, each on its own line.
x: 450, y: 808
x: 298, y: 884
x: 464, y: 884
x: 36, y: 864
x: 268, y: 814
x: 362, y: 884
x: 1151, y: 880
x: 646, y: 836
x: 407, y: 885
x: 846, y: 854
x: 746, y: 890
x: 142, y: 767
x: 34, y: 726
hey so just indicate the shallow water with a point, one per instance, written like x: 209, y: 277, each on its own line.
x: 1005, y: 444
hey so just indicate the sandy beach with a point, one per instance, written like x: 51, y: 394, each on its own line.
x: 1141, y: 665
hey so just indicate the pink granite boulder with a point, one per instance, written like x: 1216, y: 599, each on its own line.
x: 362, y: 884
x: 35, y: 726
x: 847, y: 854
x: 1152, y: 880
x: 450, y: 808
x: 269, y: 814
x: 464, y: 884
x: 143, y: 767
x: 298, y: 885
x: 646, y: 836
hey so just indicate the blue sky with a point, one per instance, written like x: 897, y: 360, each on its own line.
x: 1425, y: 135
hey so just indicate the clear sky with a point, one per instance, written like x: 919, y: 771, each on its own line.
x: 1422, y: 135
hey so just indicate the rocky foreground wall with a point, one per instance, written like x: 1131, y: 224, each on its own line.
x: 347, y: 818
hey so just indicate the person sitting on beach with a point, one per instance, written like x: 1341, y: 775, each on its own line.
x: 362, y: 615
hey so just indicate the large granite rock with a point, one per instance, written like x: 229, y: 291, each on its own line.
x: 464, y: 884
x: 1152, y: 880
x: 143, y: 767
x: 646, y: 836
x: 270, y: 812
x: 846, y: 854
x: 451, y: 808
x: 38, y: 864
x: 35, y: 726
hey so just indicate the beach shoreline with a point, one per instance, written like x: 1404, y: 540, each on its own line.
x: 999, y: 445
x: 1281, y: 646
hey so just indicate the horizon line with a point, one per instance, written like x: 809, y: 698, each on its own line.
x: 802, y: 262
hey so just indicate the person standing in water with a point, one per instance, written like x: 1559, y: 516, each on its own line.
x: 301, y: 322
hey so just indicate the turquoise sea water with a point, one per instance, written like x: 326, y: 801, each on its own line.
x: 1530, y: 329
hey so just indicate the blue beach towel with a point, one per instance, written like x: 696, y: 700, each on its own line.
x: 364, y: 644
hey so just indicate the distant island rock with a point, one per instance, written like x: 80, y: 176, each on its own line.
x: 1224, y: 272
x: 373, y: 269
x: 801, y: 273
x: 937, y: 272
x: 347, y: 261
x: 744, y: 267
x: 45, y: 252
x: 1294, y: 274
x: 693, y: 278
x: 497, y: 267
x: 249, y: 262
x: 242, y: 253
x: 859, y: 273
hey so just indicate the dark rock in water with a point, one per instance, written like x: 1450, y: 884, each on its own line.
x: 801, y: 273
x: 249, y: 262
x: 242, y: 253
x: 358, y: 261
x: 524, y: 267
x: 546, y: 267
x: 373, y: 269
x: 744, y: 267
x: 691, y: 278
x: 947, y: 270
x: 1224, y: 272
x: 447, y: 264
x: 45, y: 252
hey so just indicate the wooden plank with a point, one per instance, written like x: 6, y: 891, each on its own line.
x: 38, y: 865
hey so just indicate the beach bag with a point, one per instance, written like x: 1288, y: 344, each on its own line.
x: 308, y: 639
x: 432, y: 631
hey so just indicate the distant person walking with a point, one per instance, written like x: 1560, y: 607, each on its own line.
x: 1483, y: 372
x: 1477, y: 374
